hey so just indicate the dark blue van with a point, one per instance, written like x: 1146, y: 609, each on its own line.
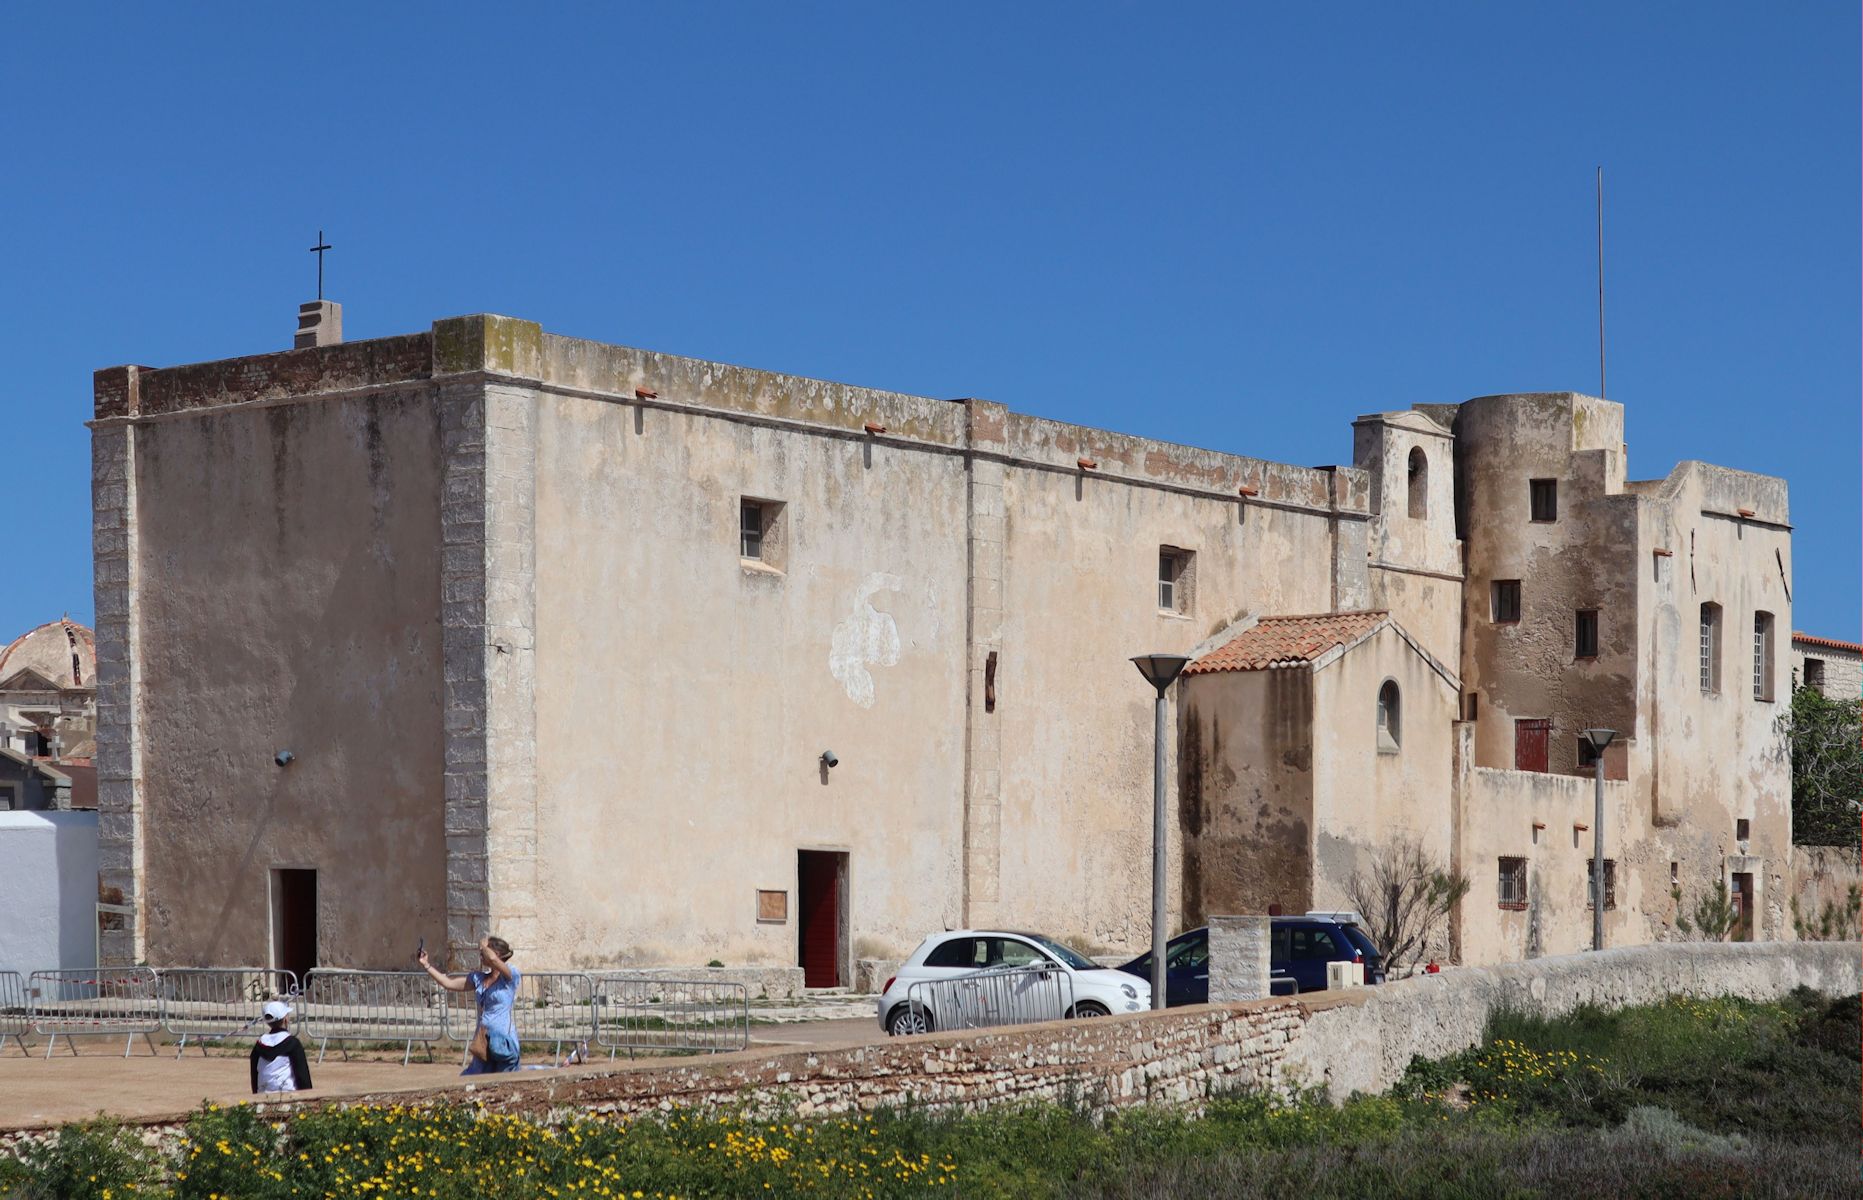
x: 1300, y: 950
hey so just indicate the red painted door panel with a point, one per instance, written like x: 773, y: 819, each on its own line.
x: 818, y: 905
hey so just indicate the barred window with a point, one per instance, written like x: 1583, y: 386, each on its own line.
x: 1513, y: 883
x: 1710, y: 647
x: 1762, y: 656
x: 1586, y: 642
x: 1610, y: 884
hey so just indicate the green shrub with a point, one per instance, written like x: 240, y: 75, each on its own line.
x: 229, y: 1153
x: 89, y: 1160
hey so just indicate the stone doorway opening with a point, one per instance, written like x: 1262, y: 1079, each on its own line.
x: 821, y: 912
x: 294, y: 920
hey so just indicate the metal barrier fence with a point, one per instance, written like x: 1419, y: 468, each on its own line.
x: 72, y: 1003
x: 215, y: 1003
x: 615, y: 1010
x: 371, y: 1006
x: 997, y: 996
x: 644, y: 1013
x: 551, y: 1006
x: 15, y: 1016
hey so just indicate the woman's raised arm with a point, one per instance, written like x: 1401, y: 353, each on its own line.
x: 452, y: 983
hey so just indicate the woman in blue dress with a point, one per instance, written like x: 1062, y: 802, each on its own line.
x: 494, y: 1043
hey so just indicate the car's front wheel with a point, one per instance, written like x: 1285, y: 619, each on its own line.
x: 1090, y: 1008
x: 907, y: 1020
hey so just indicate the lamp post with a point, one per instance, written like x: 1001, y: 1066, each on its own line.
x: 1598, y: 739
x: 1159, y: 670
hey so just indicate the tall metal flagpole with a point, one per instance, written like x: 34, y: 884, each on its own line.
x: 1601, y: 392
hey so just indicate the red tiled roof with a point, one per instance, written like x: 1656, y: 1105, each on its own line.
x: 1827, y: 643
x: 1287, y: 641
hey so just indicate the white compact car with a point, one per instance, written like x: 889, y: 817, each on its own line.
x: 1081, y: 988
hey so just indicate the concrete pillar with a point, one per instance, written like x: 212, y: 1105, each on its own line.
x: 1239, y: 953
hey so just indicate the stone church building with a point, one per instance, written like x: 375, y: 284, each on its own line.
x: 640, y: 659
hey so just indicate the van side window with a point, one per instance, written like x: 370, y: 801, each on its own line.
x: 1311, y: 942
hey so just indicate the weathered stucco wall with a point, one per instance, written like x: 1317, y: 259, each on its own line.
x: 290, y: 573
x: 1080, y: 592
x: 1367, y: 796
x: 1245, y: 792
x: 1585, y: 559
x: 685, y: 696
x: 1501, y: 812
x: 1414, y: 553
x: 1718, y: 756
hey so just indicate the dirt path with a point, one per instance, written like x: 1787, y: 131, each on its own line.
x: 36, y: 1092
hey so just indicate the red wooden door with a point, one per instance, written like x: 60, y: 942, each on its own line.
x: 1743, y: 906
x: 818, y: 911
x: 1532, y: 745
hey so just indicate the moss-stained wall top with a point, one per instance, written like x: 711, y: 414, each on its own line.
x: 507, y: 346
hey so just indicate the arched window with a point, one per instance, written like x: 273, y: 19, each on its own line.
x: 1419, y: 484
x: 1390, y: 717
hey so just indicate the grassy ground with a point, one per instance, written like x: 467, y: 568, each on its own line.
x: 1690, y: 1099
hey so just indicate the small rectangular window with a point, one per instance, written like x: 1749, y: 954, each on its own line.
x: 1176, y: 579
x: 1814, y: 673
x: 750, y: 540
x: 1587, y: 753
x: 1742, y: 827
x: 1610, y: 884
x: 1513, y: 883
x: 1586, y: 643
x: 1675, y: 874
x: 762, y: 536
x: 1762, y: 656
x: 1506, y: 601
x: 1544, y: 497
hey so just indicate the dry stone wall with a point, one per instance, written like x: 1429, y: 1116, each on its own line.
x: 1357, y: 1040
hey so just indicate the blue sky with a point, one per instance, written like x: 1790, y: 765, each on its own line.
x: 1233, y: 226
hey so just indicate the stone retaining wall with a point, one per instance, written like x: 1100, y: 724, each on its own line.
x: 1360, y: 1039
x: 1365, y: 1044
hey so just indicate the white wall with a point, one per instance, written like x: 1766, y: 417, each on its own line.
x: 48, y: 890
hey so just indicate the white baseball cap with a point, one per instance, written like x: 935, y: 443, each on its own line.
x: 276, y: 1010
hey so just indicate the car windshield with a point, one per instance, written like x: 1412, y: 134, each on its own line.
x: 1359, y: 938
x: 1076, y: 961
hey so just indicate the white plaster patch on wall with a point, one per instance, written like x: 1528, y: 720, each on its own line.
x: 865, y: 637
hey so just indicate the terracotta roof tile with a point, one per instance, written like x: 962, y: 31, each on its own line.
x: 1287, y: 641
x: 1805, y: 639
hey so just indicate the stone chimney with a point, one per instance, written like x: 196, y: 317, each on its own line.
x: 320, y: 323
